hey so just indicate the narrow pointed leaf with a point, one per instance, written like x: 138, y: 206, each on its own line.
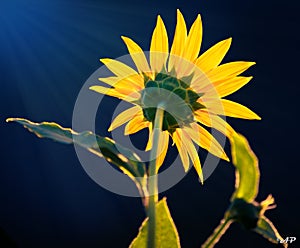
x: 124, y: 159
x: 166, y: 233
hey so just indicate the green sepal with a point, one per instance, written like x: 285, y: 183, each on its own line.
x: 181, y: 93
x: 193, y: 96
x: 187, y: 79
x: 196, y: 106
x: 169, y: 83
x: 151, y: 83
x: 161, y: 75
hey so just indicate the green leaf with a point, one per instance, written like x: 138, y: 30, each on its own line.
x: 243, y: 208
x: 166, y: 233
x: 266, y: 228
x: 247, y: 171
x: 124, y: 159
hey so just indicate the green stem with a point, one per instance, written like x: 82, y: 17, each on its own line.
x: 217, y: 234
x: 152, y: 183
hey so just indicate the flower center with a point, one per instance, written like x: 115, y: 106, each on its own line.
x: 173, y: 95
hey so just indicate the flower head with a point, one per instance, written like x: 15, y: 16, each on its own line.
x: 190, y: 88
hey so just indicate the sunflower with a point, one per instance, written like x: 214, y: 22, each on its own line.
x: 199, y: 82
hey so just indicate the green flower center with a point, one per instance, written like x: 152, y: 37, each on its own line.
x: 173, y: 95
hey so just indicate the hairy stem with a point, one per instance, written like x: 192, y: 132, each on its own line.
x: 152, y: 183
x: 217, y: 234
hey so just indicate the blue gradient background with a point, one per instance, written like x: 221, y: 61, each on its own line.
x: 48, y: 50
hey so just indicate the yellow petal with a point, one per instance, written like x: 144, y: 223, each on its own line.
x: 181, y: 150
x: 112, y: 81
x: 191, y: 49
x: 178, y: 41
x: 213, y: 56
x: 159, y: 47
x: 226, y: 87
x: 115, y: 93
x: 231, y: 86
x: 232, y: 109
x: 137, y: 55
x: 120, y: 83
x: 214, y: 121
x: 163, y: 142
x: 149, y: 143
x: 136, y: 124
x: 204, y: 139
x: 123, y: 71
x: 193, y: 41
x: 124, y: 117
x: 127, y: 91
x: 188, y: 143
x: 200, y: 82
x: 231, y: 69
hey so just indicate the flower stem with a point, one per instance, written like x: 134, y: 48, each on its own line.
x: 152, y: 183
x: 217, y: 234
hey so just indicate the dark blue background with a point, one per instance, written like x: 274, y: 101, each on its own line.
x: 48, y: 50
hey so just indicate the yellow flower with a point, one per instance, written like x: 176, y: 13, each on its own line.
x: 200, y: 82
